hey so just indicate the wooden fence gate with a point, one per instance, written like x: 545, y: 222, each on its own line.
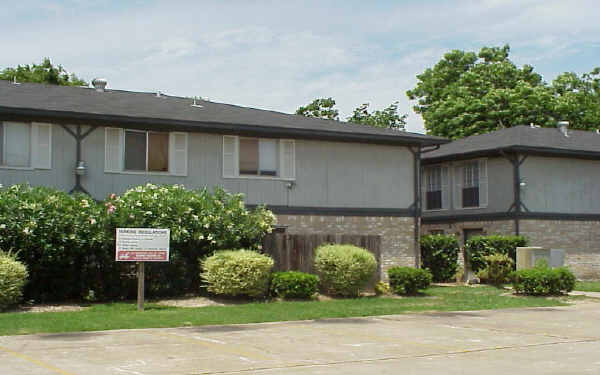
x: 297, y: 251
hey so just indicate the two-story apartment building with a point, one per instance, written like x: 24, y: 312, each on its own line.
x: 318, y: 176
x: 543, y: 183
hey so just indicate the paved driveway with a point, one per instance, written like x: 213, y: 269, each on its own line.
x: 563, y: 340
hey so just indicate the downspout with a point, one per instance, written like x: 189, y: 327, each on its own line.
x: 417, y: 206
x: 517, y: 191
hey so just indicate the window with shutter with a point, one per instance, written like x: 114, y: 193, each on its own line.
x: 258, y: 157
x: 433, y: 188
x: 179, y: 154
x: 16, y: 144
x: 41, y: 152
x: 230, y: 159
x: 113, y: 149
x: 288, y: 158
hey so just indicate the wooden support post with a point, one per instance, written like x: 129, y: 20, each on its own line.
x: 140, y: 295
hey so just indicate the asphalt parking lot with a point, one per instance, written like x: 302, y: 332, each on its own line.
x: 561, y: 340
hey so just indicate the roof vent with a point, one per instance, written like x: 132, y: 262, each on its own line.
x: 195, y: 103
x: 99, y: 84
x: 563, y: 126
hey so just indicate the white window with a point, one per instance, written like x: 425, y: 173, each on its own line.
x: 435, y: 188
x: 25, y: 145
x: 145, y: 151
x: 258, y: 157
x: 471, y: 184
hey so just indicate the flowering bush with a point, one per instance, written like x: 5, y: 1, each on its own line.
x: 344, y: 269
x: 13, y: 275
x: 237, y: 273
x: 200, y: 223
x: 56, y: 235
x: 67, y: 241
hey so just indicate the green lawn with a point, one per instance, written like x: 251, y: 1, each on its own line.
x: 588, y: 286
x: 125, y: 315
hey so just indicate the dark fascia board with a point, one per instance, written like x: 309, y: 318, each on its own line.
x: 340, y: 211
x: 539, y: 151
x: 68, y: 117
x: 496, y: 216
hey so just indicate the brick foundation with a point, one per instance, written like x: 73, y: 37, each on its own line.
x: 397, y: 233
x: 579, y: 239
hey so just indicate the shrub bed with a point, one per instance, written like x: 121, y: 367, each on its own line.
x: 293, y: 284
x: 344, y: 269
x: 478, y: 247
x: 237, y: 273
x: 13, y: 276
x: 542, y: 280
x: 408, y: 280
x: 67, y: 241
x: 440, y: 256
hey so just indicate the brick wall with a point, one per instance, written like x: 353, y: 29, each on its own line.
x: 397, y: 233
x: 579, y: 239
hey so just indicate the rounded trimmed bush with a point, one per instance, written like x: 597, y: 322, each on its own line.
x: 13, y: 276
x: 237, y: 273
x: 408, y: 280
x: 344, y: 269
x: 543, y: 280
x: 293, y: 284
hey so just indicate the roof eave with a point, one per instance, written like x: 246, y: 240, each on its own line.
x: 71, y: 117
x: 529, y: 150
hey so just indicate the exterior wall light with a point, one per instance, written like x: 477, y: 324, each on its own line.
x: 81, y: 168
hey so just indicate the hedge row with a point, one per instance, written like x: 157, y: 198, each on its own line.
x: 67, y: 241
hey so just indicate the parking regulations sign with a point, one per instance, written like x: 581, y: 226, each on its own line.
x: 142, y: 245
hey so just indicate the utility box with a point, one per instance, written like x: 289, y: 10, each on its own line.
x: 528, y: 256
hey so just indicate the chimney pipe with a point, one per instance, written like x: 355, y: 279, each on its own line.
x: 563, y: 126
x: 99, y: 84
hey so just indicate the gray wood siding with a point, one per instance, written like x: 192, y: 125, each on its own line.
x: 60, y: 176
x: 328, y: 174
x: 500, y: 190
x: 561, y: 185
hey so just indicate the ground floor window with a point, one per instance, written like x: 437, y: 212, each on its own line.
x: 146, y: 151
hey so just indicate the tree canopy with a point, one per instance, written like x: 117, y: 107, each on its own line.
x: 324, y: 108
x: 467, y: 93
x: 42, y: 73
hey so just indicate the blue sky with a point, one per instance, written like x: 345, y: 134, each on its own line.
x: 280, y: 55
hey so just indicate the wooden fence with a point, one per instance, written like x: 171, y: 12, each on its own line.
x: 297, y: 251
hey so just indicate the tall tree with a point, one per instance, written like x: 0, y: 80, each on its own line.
x: 386, y: 118
x: 42, y: 73
x: 577, y: 99
x: 320, y: 108
x: 467, y: 93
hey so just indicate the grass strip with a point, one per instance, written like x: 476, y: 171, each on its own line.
x: 124, y: 315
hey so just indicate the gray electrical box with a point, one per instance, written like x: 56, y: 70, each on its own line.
x: 527, y: 257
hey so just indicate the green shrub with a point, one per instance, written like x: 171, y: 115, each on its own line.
x: 382, y: 288
x: 344, y: 269
x: 408, y: 280
x: 440, y: 256
x: 499, y: 266
x: 478, y: 247
x: 542, y: 280
x: 292, y: 284
x: 201, y: 222
x: 237, y: 273
x: 13, y: 276
x: 61, y: 238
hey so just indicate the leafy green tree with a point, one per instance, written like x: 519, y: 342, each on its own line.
x: 386, y: 118
x: 467, y: 93
x: 320, y: 108
x: 577, y: 99
x: 42, y: 73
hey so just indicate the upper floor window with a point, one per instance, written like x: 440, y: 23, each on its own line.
x: 258, y: 157
x: 435, y: 187
x: 145, y: 151
x: 471, y: 190
x: 25, y: 145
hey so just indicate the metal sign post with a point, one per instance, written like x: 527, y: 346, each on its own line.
x: 142, y: 245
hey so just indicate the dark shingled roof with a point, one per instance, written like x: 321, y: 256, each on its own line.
x: 525, y: 139
x: 138, y: 109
